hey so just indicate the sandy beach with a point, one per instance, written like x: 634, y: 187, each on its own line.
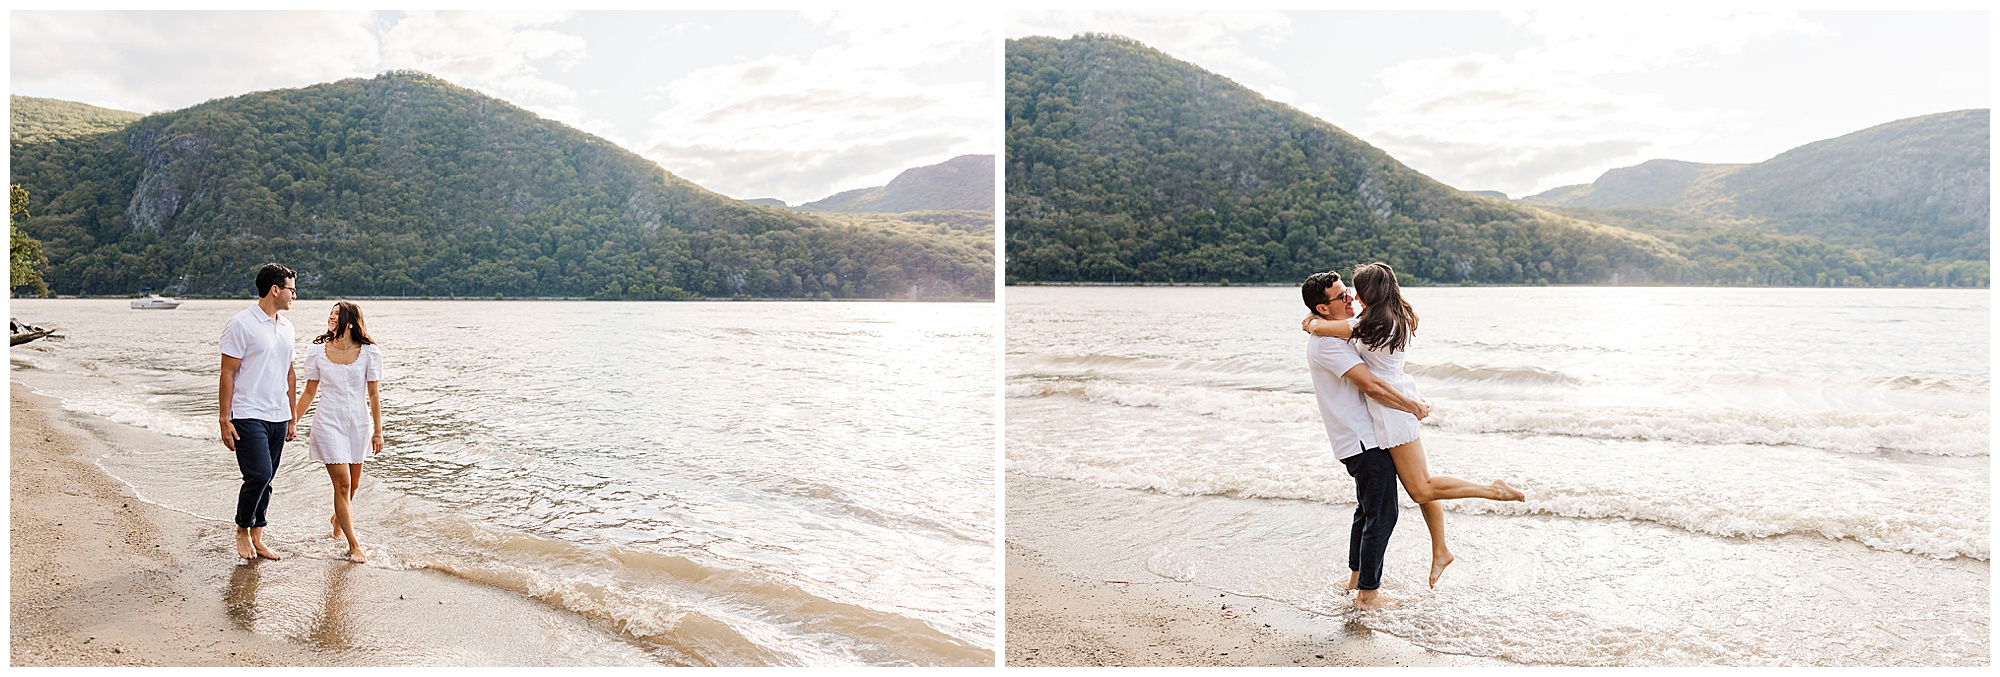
x: 100, y: 578
x: 1058, y: 618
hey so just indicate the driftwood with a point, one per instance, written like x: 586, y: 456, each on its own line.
x: 23, y: 333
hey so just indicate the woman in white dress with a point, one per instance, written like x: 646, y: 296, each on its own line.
x: 344, y: 363
x: 1382, y: 332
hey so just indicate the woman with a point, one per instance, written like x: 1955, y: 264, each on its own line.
x: 1382, y: 331
x: 344, y: 432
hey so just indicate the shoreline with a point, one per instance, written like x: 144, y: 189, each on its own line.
x: 1031, y: 283
x: 754, y: 299
x: 1058, y: 618
x: 100, y: 577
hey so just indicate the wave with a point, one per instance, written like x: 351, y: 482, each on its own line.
x: 699, y: 612
x: 1483, y: 374
x: 1951, y: 384
x: 1930, y: 433
x: 1899, y: 528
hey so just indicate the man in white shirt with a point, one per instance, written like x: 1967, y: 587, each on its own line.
x: 256, y: 392
x: 1340, y: 380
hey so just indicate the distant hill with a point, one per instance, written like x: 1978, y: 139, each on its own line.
x: 961, y: 183
x: 767, y: 202
x: 404, y: 184
x: 37, y: 120
x: 1125, y: 164
x: 1918, y: 187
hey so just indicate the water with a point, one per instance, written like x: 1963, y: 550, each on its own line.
x: 1715, y: 476
x: 724, y: 483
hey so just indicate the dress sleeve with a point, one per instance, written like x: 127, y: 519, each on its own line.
x: 372, y: 370
x: 312, y: 365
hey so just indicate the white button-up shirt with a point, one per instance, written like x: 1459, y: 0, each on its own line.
x: 265, y: 346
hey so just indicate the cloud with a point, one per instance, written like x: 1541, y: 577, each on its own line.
x: 508, y: 55
x: 154, y: 61
x: 800, y: 175
x: 849, y: 115
x: 1558, y: 101
x: 1215, y: 40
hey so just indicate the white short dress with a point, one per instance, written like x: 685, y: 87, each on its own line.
x: 342, y: 426
x: 1393, y: 427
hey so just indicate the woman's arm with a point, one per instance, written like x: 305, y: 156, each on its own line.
x: 1320, y: 326
x: 1380, y: 391
x: 305, y: 400
x: 375, y: 409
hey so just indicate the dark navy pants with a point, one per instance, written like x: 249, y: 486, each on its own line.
x: 258, y: 445
x: 1375, y: 513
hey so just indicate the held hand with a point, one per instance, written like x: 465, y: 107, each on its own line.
x: 228, y: 435
x: 291, y: 430
x: 1423, y: 409
x: 376, y: 444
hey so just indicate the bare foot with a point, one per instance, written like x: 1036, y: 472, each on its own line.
x: 1353, y: 582
x: 355, y: 555
x: 1508, y: 493
x: 337, y: 533
x: 1371, y: 600
x: 1437, y: 566
x: 266, y: 553
x: 243, y: 549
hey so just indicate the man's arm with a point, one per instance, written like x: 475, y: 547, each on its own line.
x: 1380, y: 391
x: 225, y: 389
x: 291, y: 401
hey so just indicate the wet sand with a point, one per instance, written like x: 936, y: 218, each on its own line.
x: 1057, y: 616
x: 100, y: 578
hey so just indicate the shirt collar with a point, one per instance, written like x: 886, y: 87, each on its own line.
x: 258, y: 311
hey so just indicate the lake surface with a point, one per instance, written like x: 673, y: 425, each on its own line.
x: 1715, y: 476
x: 723, y: 483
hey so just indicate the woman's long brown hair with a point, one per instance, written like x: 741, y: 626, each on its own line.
x: 1389, y: 320
x: 347, y: 320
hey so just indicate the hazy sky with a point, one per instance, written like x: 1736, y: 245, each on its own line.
x: 749, y: 104
x: 1526, y: 101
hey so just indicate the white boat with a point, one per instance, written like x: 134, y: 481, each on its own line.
x: 155, y: 302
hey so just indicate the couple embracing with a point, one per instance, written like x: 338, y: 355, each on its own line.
x: 259, y: 412
x: 1371, y: 409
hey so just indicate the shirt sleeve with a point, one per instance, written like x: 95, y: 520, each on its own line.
x: 1333, y: 355
x: 372, y: 370
x: 312, y: 365
x: 234, y: 341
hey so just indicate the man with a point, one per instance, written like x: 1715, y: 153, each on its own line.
x: 1340, y: 380
x: 256, y: 393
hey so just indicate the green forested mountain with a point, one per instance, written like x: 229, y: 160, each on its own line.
x: 403, y: 184
x: 36, y: 120
x: 1916, y: 190
x: 1124, y: 164
x: 961, y: 183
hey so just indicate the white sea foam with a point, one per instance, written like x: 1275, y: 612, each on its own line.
x: 1935, y: 433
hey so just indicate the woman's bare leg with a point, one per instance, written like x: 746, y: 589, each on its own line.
x: 1414, y: 470
x: 1440, y: 555
x: 343, y: 515
x: 354, y: 474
